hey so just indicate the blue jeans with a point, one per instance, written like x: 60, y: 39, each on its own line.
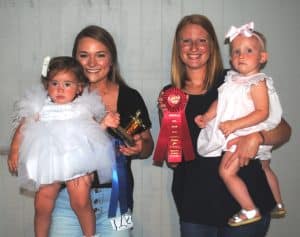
x: 257, y: 229
x: 65, y: 222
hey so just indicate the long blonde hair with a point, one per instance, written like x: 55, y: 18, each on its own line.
x: 214, y: 64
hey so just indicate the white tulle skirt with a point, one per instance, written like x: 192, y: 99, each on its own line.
x: 57, y: 151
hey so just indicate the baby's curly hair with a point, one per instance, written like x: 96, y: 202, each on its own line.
x: 67, y: 64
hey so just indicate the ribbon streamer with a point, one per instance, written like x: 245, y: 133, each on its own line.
x: 121, y: 194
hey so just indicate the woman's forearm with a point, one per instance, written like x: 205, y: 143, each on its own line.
x: 147, y: 146
x: 277, y: 136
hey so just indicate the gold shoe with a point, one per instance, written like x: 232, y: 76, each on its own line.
x: 244, y: 217
x: 279, y: 211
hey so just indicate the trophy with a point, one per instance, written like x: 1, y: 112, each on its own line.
x: 134, y: 126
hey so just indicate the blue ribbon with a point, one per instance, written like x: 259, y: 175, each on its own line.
x: 120, y: 190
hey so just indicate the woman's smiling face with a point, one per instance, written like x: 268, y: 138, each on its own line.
x: 95, y: 59
x: 194, y: 46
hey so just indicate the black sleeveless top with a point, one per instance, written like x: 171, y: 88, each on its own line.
x: 129, y: 102
x: 199, y: 193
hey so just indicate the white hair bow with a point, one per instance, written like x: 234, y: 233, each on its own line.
x: 45, y: 66
x: 246, y: 30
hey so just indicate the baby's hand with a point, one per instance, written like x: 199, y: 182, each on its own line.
x: 12, y: 162
x: 227, y: 127
x: 111, y: 119
x: 201, y: 121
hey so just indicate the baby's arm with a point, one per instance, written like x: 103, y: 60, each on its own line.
x: 260, y: 97
x: 13, y: 156
x: 110, y: 120
x: 202, y: 120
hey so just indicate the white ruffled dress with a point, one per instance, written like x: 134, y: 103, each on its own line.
x: 62, y: 141
x: 234, y: 102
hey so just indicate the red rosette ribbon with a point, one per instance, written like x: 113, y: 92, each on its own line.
x: 174, y: 140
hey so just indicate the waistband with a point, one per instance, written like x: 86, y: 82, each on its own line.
x: 106, y: 185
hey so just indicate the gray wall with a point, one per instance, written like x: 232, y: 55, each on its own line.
x: 143, y: 30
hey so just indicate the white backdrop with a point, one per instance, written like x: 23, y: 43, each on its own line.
x: 143, y: 31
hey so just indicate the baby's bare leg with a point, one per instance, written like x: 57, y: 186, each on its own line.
x: 272, y: 180
x: 44, y: 203
x: 79, y: 191
x: 234, y: 183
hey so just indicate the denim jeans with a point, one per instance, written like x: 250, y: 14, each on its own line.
x: 257, y: 229
x: 65, y: 223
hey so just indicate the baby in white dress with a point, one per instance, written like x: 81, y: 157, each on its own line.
x: 61, y: 138
x: 247, y: 103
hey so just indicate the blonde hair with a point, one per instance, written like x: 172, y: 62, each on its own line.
x: 214, y: 63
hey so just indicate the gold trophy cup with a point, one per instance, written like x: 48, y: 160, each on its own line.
x: 134, y: 126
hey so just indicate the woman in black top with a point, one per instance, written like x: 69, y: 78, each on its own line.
x: 202, y: 200
x: 96, y: 51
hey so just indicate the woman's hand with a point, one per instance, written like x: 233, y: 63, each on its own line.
x: 134, y: 150
x: 142, y: 148
x: 246, y: 148
x: 161, y: 106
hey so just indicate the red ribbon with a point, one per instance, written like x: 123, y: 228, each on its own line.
x: 174, y: 139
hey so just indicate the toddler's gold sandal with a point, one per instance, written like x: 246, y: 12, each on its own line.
x: 279, y: 211
x: 244, y: 217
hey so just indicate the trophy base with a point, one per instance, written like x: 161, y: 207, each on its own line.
x: 122, y: 134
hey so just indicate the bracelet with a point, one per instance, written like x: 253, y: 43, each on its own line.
x: 262, y: 137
